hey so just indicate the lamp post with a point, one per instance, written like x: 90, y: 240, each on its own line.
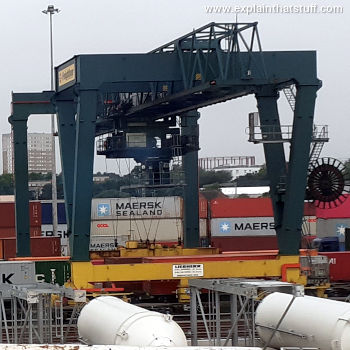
x: 51, y: 10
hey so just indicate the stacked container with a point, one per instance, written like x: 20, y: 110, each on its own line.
x: 47, y: 227
x: 242, y: 224
x: 7, y: 219
x: 203, y: 221
x: 247, y: 224
x: 119, y: 220
x: 39, y: 247
x: 333, y: 222
x: 16, y: 272
x: 8, y: 230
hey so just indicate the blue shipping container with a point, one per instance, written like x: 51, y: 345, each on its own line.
x: 46, y: 213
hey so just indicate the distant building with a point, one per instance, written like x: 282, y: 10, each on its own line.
x: 237, y: 165
x: 39, y: 153
x: 100, y: 178
x: 252, y: 192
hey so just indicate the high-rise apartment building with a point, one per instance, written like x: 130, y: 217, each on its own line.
x: 39, y: 153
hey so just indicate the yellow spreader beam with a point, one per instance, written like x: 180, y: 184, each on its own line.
x: 286, y: 268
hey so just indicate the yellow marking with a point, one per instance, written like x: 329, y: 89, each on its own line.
x: 66, y: 75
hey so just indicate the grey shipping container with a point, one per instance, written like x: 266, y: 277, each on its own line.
x: 16, y: 272
x: 105, y: 243
x: 152, y: 229
x: 136, y: 208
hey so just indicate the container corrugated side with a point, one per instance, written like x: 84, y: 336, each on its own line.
x: 245, y: 243
x: 7, y: 214
x: 40, y: 247
x: 338, y: 263
x: 258, y: 226
x: 203, y: 229
x: 136, y: 208
x: 16, y: 272
x: 248, y: 207
x: 47, y: 213
x: 203, y: 208
x: 240, y: 207
x: 152, y: 229
x: 10, y: 232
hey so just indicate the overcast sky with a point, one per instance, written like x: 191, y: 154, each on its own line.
x: 111, y: 26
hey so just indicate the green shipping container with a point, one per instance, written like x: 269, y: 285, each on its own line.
x: 57, y: 272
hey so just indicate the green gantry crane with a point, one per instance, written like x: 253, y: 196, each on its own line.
x: 126, y: 97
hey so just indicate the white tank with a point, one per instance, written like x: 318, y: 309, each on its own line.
x: 310, y: 322
x: 111, y: 321
x: 109, y: 347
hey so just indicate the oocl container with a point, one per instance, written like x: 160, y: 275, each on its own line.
x: 309, y: 323
x: 136, y: 208
x: 111, y: 321
x: 152, y: 229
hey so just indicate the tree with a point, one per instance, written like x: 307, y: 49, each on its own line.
x: 46, y: 192
x: 39, y: 176
x: 211, y: 177
x: 259, y: 178
x: 6, y: 184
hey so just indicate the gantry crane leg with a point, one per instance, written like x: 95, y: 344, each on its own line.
x: 274, y: 151
x: 290, y: 234
x: 83, y: 174
x: 23, y: 105
x: 66, y: 111
x: 189, y: 127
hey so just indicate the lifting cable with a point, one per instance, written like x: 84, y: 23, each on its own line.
x: 114, y: 225
x: 137, y: 228
x: 142, y: 220
x: 158, y: 221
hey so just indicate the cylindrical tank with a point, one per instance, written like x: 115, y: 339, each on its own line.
x: 108, y: 320
x: 310, y: 322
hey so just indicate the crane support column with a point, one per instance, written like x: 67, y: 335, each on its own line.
x: 289, y: 241
x: 23, y: 105
x: 190, y: 129
x: 19, y: 130
x: 66, y: 111
x: 83, y: 175
x: 274, y: 151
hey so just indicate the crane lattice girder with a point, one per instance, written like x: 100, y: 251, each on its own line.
x: 150, y: 72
